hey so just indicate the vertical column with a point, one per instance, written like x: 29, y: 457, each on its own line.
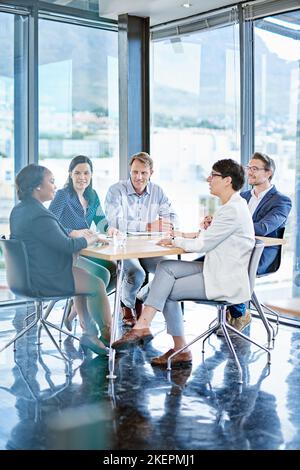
x: 20, y: 92
x: 134, y: 118
x: 33, y: 102
x: 246, y: 87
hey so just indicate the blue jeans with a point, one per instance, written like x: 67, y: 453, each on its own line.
x: 134, y: 276
x: 237, y: 310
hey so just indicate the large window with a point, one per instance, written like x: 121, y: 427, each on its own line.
x: 11, y: 87
x: 277, y: 112
x: 77, y: 107
x: 195, y: 115
x: 78, y: 100
x: 6, y: 119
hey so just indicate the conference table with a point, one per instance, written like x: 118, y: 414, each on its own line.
x: 138, y: 247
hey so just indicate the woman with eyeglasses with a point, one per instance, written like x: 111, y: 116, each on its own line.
x: 223, y: 275
x: 50, y: 255
x: 76, y: 206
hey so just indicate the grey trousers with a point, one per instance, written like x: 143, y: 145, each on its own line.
x: 134, y: 276
x: 175, y: 281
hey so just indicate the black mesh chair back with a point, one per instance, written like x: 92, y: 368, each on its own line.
x: 277, y: 261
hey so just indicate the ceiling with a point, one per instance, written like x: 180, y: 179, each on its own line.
x: 159, y: 11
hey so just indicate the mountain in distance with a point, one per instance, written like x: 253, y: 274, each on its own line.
x: 211, y: 99
x: 90, y: 52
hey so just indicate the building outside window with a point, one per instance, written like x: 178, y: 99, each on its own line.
x: 78, y: 105
x: 195, y: 115
x: 7, y: 132
x: 277, y: 112
x: 78, y: 100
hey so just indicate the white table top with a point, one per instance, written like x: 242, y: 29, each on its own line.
x: 136, y: 247
x: 146, y: 247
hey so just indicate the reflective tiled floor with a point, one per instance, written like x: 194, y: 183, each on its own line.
x: 200, y: 407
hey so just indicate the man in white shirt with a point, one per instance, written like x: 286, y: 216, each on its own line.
x: 138, y: 205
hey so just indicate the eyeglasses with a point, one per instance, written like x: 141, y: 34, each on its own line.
x: 254, y: 169
x: 213, y: 174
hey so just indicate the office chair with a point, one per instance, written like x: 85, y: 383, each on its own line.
x: 221, y: 318
x: 18, y: 280
x: 260, y: 307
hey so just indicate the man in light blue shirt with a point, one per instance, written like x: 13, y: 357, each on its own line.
x: 138, y: 205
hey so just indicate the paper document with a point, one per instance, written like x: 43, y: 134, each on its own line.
x: 103, y: 236
x: 153, y: 234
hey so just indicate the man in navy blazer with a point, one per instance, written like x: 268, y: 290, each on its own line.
x: 270, y: 210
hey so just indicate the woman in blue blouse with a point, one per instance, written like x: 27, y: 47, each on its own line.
x: 76, y: 206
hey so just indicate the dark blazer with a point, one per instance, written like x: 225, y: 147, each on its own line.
x: 269, y: 219
x: 48, y: 246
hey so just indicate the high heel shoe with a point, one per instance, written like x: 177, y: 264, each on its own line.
x: 105, y: 341
x: 68, y: 323
x: 87, y: 342
x: 70, y: 349
x: 70, y: 315
x: 105, y: 335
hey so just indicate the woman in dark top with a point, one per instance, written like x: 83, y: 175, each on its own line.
x: 50, y: 254
x: 76, y: 206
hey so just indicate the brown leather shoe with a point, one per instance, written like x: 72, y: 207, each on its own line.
x: 133, y: 337
x: 128, y: 317
x: 182, y: 359
x: 138, y: 308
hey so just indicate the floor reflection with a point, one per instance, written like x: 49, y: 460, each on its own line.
x: 245, y: 416
x: 48, y: 404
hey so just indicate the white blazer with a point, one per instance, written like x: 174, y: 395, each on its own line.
x: 227, y: 244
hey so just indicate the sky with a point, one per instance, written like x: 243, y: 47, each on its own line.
x: 285, y: 48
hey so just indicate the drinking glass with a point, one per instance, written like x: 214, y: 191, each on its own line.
x: 120, y: 239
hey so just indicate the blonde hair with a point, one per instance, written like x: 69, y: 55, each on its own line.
x: 142, y: 157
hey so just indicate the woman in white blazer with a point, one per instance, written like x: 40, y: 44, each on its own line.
x: 223, y: 275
